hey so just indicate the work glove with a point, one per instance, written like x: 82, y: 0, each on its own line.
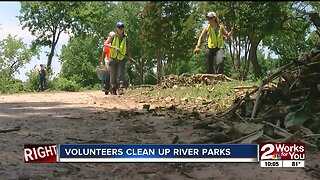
x: 197, y: 50
x: 117, y: 49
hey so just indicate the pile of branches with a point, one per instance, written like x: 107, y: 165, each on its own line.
x: 294, y: 100
x: 191, y: 80
x: 284, y: 107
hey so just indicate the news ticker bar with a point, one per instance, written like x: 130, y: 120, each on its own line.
x: 278, y: 153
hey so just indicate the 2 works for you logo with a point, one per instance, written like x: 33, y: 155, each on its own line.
x: 282, y: 151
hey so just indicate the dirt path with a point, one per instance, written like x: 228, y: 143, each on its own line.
x: 92, y: 117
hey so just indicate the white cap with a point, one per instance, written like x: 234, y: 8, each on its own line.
x: 211, y: 14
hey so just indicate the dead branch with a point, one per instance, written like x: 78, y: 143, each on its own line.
x: 245, y: 87
x: 257, y: 101
x: 293, y: 137
x: 242, y: 138
x: 288, y: 133
x: 311, y: 135
x: 18, y: 128
x: 264, y: 81
x: 203, y: 124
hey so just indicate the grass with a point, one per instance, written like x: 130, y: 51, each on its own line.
x: 220, y: 96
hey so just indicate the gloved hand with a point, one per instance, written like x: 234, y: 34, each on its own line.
x: 235, y: 26
x: 117, y: 49
x: 197, y: 49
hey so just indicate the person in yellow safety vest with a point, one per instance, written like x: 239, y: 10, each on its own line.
x: 117, y: 41
x: 215, y: 44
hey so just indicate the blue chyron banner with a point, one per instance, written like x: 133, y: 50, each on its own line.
x: 158, y: 153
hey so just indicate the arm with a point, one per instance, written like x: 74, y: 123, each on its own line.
x: 102, y: 57
x: 108, y: 42
x: 228, y: 34
x: 103, y: 54
x: 204, y: 32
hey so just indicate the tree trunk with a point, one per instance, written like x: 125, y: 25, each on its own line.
x: 158, y: 70
x: 236, y: 46
x: 246, y: 61
x: 54, y: 41
x: 159, y: 66
x: 254, y: 60
x: 141, y: 70
x: 50, y: 56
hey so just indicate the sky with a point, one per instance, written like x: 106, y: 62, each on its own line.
x: 9, y: 24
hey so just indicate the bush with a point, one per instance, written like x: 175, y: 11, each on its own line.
x: 13, y: 87
x: 9, y: 84
x: 33, y: 82
x: 64, y: 84
x: 97, y: 87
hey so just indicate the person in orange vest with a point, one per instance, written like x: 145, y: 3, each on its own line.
x: 105, y: 56
x: 214, y: 46
x: 104, y: 61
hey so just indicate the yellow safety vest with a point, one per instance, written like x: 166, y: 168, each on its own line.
x: 122, y: 46
x: 214, y: 40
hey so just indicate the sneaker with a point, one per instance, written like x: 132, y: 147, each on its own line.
x: 120, y: 91
x: 113, y: 91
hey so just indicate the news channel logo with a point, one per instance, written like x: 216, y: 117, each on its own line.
x: 282, y: 151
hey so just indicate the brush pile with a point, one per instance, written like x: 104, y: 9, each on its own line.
x: 284, y: 107
x: 191, y: 80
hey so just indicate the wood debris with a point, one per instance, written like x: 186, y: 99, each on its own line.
x: 287, y: 102
x: 173, y: 81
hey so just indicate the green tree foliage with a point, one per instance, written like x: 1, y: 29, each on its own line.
x: 291, y: 37
x: 162, y: 34
x: 14, y: 54
x: 47, y: 20
x: 256, y: 20
x: 281, y: 26
x: 168, y: 35
x: 95, y: 18
x: 98, y: 19
x: 153, y: 35
x: 80, y: 57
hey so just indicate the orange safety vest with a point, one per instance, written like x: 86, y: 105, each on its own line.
x: 107, y: 51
